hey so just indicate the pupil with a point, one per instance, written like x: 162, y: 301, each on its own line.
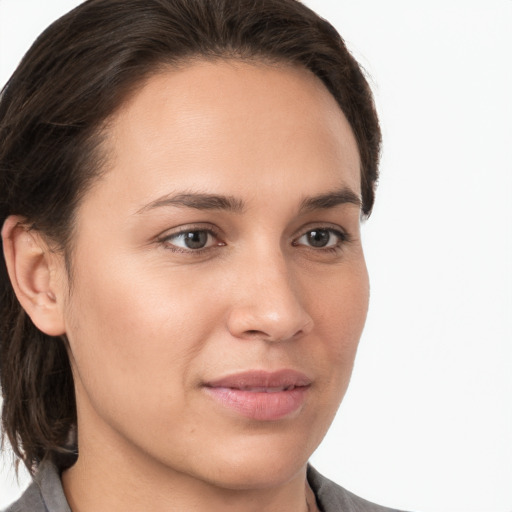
x: 318, y: 238
x: 196, y: 239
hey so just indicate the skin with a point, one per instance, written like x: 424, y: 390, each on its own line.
x: 149, y: 320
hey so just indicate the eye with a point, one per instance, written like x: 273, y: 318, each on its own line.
x: 192, y: 240
x: 321, y: 238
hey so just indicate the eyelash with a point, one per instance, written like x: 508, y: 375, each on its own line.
x: 343, y: 238
x: 209, y: 231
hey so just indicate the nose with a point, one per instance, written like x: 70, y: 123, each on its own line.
x: 267, y: 303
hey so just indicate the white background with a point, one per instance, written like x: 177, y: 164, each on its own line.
x: 427, y: 422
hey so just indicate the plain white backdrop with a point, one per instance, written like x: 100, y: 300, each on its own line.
x: 427, y: 422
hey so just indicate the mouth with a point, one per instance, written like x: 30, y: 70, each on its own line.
x: 261, y: 395
x: 265, y: 389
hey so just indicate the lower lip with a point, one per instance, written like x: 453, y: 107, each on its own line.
x: 259, y: 405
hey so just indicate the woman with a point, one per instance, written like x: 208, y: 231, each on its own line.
x: 183, y: 283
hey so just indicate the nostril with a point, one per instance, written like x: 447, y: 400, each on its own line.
x: 271, y: 323
x: 255, y: 333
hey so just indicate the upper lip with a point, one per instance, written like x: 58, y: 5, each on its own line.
x: 261, y: 380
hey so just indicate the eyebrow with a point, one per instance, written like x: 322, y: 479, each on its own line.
x: 197, y: 201
x: 330, y: 200
x: 201, y: 201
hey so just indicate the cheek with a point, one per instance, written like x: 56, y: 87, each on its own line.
x: 340, y: 321
x: 134, y: 335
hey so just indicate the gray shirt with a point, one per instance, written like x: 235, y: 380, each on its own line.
x: 45, y: 494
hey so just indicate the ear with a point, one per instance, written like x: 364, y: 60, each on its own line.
x: 36, y: 274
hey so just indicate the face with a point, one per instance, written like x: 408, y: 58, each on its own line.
x: 219, y: 286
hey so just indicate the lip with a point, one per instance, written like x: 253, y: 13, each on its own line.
x: 261, y: 395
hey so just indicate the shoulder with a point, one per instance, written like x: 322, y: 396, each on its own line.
x: 333, y: 498
x: 30, y: 501
x: 45, y: 494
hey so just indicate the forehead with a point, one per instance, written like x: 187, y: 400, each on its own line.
x: 226, y: 124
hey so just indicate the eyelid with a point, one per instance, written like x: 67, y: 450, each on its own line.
x: 326, y: 226
x: 343, y: 236
x: 168, y: 235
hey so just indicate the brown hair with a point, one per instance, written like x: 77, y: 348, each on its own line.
x: 77, y: 73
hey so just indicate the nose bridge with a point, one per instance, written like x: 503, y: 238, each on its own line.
x: 268, y: 299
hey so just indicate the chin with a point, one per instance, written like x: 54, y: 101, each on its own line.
x: 256, y: 475
x: 253, y: 463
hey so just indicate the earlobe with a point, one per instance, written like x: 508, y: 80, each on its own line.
x: 34, y: 273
